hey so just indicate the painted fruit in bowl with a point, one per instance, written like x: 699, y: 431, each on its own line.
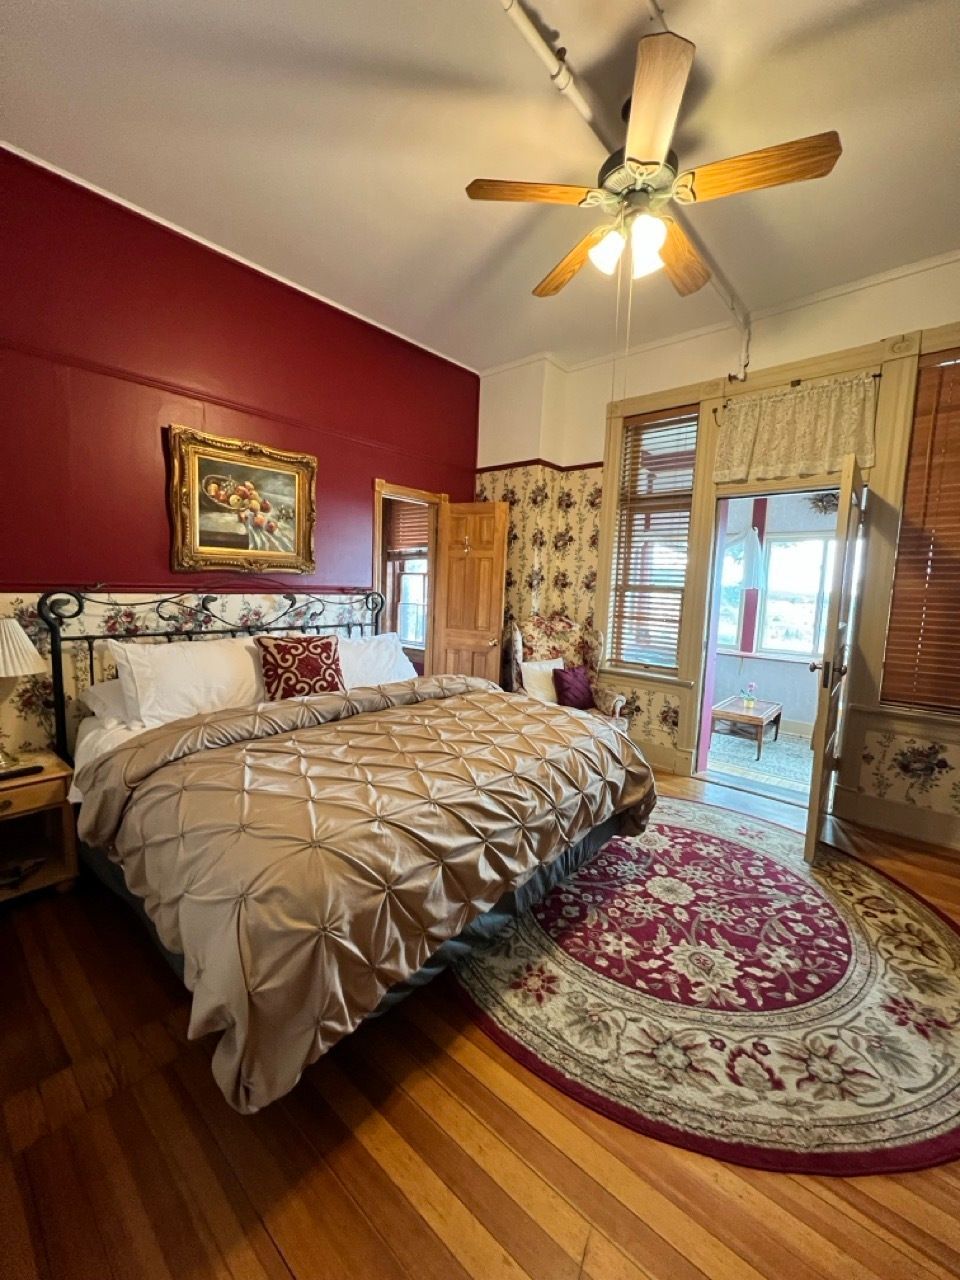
x: 226, y: 493
x: 253, y: 520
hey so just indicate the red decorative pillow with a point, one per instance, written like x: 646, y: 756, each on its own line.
x: 573, y: 688
x: 296, y: 666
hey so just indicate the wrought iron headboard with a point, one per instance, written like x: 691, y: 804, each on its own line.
x: 189, y: 616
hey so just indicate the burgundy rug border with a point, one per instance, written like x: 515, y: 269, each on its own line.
x: 909, y: 1158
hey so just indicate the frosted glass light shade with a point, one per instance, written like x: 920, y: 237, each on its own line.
x: 647, y: 235
x: 18, y: 654
x: 606, y: 254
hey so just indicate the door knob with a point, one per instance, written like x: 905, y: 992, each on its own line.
x: 491, y: 642
x: 816, y: 666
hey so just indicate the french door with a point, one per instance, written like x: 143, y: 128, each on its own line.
x: 837, y: 652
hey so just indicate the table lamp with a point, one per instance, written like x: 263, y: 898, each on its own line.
x: 18, y: 657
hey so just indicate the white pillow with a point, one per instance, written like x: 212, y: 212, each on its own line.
x: 107, y: 702
x: 537, y: 678
x: 368, y: 660
x: 164, y: 682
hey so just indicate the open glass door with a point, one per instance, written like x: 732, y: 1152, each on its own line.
x: 841, y: 623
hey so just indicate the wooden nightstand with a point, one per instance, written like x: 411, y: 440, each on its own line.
x: 36, y: 822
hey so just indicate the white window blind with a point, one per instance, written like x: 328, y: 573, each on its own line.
x: 921, y: 666
x: 652, y: 536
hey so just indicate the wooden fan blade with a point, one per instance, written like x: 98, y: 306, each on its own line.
x: 568, y: 267
x: 663, y: 66
x: 685, y: 269
x: 797, y: 161
x: 534, y: 192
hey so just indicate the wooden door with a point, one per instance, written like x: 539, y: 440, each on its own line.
x: 837, y: 651
x: 471, y: 572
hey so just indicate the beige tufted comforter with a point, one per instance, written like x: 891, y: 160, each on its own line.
x: 306, y: 855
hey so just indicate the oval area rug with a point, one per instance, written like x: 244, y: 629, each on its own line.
x: 701, y: 984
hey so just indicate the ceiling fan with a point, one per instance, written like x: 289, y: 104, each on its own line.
x: 637, y: 184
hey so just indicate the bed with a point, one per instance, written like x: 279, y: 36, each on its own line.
x: 311, y: 860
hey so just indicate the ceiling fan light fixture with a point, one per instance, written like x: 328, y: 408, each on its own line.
x: 607, y: 252
x: 647, y: 237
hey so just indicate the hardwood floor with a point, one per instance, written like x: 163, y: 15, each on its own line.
x: 416, y: 1148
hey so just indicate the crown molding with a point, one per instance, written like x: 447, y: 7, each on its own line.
x: 690, y: 335
x: 538, y: 357
x: 865, y: 282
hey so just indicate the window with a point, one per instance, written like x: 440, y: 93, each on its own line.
x: 411, y: 578
x: 406, y: 543
x: 652, y: 532
x: 730, y: 619
x: 798, y: 571
x: 920, y: 667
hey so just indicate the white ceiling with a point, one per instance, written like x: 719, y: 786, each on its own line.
x: 329, y: 141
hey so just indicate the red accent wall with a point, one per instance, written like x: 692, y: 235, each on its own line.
x: 112, y: 326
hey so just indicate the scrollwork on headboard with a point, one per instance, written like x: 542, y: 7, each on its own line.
x: 78, y: 618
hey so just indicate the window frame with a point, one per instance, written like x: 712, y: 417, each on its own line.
x: 396, y: 572
x: 385, y: 490
x: 738, y: 647
x: 822, y: 599
x: 895, y: 359
x: 892, y: 697
x: 654, y: 501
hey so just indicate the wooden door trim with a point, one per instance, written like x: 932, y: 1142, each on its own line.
x: 384, y: 489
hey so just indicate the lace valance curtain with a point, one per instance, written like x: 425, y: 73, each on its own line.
x: 798, y: 431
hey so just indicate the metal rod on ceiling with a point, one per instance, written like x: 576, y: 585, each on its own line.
x: 656, y: 15
x: 560, y: 74
x: 566, y: 84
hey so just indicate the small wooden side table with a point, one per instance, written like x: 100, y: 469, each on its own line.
x: 38, y: 840
x: 750, y: 720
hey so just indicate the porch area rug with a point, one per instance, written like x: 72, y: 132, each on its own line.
x: 702, y: 985
x: 786, y: 763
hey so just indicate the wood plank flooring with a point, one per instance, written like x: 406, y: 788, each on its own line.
x: 416, y: 1149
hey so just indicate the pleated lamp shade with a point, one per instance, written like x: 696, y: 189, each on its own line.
x: 18, y: 654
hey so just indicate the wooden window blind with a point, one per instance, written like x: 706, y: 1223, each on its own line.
x: 652, y: 536
x: 922, y: 660
x: 407, y: 525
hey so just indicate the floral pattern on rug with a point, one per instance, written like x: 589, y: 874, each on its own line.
x: 702, y: 984
x: 709, y: 927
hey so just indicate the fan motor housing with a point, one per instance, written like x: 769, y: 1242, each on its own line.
x: 618, y: 175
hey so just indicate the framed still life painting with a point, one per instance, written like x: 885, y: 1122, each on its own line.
x: 237, y: 505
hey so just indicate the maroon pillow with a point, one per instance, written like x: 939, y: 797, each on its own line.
x: 295, y: 666
x: 573, y: 688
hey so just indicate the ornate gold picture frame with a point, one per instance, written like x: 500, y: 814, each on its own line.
x: 237, y: 505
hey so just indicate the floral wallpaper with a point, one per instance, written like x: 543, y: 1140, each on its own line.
x: 552, y: 555
x: 553, y: 539
x: 654, y: 714
x: 911, y: 770
x: 26, y: 717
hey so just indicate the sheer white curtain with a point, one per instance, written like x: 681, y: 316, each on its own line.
x: 798, y: 431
